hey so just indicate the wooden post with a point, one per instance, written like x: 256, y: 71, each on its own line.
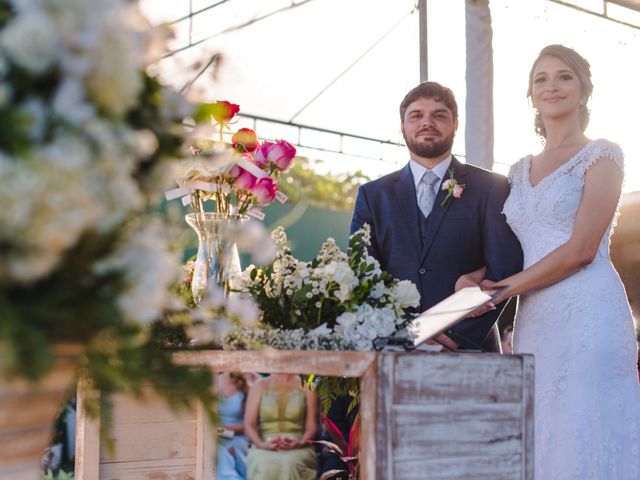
x: 87, y: 462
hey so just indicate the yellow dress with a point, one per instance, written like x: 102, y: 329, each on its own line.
x: 282, y: 413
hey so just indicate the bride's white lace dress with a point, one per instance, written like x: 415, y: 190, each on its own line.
x: 587, y: 395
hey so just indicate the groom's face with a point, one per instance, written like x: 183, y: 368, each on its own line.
x: 428, y: 128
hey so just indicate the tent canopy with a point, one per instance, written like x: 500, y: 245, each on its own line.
x: 345, y: 66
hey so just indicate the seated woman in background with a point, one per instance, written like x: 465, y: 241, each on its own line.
x: 280, y: 417
x: 233, y: 445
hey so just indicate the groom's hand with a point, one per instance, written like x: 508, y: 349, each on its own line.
x: 442, y: 339
x: 465, y: 281
x: 468, y: 280
x: 489, y: 287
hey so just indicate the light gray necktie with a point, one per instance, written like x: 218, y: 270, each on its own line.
x: 427, y: 194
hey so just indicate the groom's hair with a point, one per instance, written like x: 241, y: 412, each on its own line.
x: 433, y: 90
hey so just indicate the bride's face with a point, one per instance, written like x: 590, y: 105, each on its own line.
x: 556, y: 90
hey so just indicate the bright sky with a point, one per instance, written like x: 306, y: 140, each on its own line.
x: 333, y: 33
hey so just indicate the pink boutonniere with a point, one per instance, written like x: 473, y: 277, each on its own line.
x: 452, y: 187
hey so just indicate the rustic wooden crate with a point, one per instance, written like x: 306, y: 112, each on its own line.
x: 424, y: 416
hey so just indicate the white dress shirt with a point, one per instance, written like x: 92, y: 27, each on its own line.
x: 417, y: 170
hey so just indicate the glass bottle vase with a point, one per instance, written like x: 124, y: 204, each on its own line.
x: 217, y: 259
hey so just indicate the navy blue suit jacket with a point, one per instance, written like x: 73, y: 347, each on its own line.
x: 462, y: 235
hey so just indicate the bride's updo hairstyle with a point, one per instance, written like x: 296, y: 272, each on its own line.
x: 580, y: 67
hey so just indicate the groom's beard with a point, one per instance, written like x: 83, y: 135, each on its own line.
x: 429, y: 149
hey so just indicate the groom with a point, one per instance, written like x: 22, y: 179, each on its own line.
x: 432, y: 235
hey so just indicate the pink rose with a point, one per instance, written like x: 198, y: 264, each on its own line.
x: 265, y: 190
x: 280, y: 153
x: 243, y: 180
x: 457, y: 191
x: 234, y: 171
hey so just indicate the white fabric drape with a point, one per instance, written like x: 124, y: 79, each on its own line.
x: 479, y: 101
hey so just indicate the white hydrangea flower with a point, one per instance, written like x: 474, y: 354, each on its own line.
x: 67, y: 151
x: 31, y: 40
x: 114, y: 80
x: 69, y: 102
x: 244, y: 309
x: 33, y: 114
x: 44, y: 223
x: 321, y: 330
x: 346, y: 322
x: 378, y: 290
x: 369, y: 260
x: 149, y: 267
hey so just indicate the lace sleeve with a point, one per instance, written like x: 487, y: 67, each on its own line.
x: 514, y: 172
x: 600, y: 149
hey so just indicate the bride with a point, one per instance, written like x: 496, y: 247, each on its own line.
x: 574, y: 316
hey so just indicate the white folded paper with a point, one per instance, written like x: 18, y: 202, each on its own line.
x: 448, y: 312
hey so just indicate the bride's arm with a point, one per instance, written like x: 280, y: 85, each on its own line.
x: 603, y: 183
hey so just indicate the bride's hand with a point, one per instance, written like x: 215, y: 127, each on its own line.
x: 492, y: 287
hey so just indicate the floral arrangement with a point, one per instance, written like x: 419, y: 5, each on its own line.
x: 338, y: 301
x: 84, y: 134
x: 240, y: 180
x: 344, y: 296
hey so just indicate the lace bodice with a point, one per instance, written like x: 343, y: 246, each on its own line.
x: 543, y: 216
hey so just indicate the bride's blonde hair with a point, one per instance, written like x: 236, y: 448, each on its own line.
x: 580, y: 67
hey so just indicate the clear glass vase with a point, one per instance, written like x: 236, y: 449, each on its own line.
x: 217, y: 259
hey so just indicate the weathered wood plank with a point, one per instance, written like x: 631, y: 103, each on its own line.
x: 67, y: 358
x: 151, y: 441
x: 528, y: 368
x: 457, y: 377
x: 344, y: 364
x: 167, y: 469
x: 368, y: 411
x: 465, y: 468
x: 26, y: 411
x: 384, y: 415
x: 147, y: 409
x: 431, y: 432
x: 21, y: 445
x: 21, y: 471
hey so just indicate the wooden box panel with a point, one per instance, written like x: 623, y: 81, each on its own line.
x: 454, y: 416
x: 181, y: 469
